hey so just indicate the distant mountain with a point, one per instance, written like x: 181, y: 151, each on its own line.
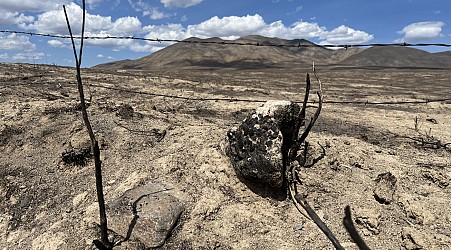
x: 444, y: 54
x: 399, y: 57
x: 211, y: 55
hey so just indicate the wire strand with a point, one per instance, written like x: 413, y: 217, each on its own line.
x: 299, y: 45
x: 233, y: 99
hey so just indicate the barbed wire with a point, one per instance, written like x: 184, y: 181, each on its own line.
x: 299, y: 45
x: 233, y: 99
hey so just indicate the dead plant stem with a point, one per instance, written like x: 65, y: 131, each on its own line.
x: 94, y: 143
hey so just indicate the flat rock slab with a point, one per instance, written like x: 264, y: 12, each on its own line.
x: 385, y: 188
x: 146, y: 214
x: 256, y: 148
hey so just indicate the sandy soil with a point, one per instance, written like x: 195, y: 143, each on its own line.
x: 46, y: 204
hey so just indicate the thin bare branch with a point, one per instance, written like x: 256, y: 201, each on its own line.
x: 82, y: 33
x: 94, y: 143
x: 315, y: 116
x: 349, y: 225
x: 307, y: 93
x: 71, y: 35
x: 300, y: 199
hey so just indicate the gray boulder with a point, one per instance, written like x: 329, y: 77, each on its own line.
x: 145, y: 214
x: 258, y: 147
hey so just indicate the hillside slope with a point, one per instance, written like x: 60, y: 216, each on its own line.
x: 277, y: 53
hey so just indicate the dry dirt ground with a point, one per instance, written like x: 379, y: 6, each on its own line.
x: 47, y: 204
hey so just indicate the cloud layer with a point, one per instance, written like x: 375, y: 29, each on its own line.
x: 421, y: 31
x: 180, y: 3
x: 47, y: 17
x: 230, y: 27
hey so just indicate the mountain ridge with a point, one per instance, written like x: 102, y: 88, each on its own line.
x: 277, y: 53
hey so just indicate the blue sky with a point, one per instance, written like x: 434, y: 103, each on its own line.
x: 322, y: 22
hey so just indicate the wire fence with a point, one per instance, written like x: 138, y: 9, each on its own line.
x: 233, y: 99
x: 299, y: 45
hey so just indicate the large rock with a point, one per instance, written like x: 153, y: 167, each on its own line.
x: 146, y: 214
x: 258, y: 147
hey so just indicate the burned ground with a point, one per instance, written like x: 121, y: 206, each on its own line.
x: 48, y: 204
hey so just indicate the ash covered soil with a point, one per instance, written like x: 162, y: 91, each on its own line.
x: 144, y: 138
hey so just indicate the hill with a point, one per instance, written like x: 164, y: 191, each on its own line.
x: 194, y: 53
x: 398, y: 57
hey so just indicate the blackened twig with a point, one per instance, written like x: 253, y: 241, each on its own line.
x: 317, y: 112
x: 300, y: 199
x: 94, y: 143
x: 349, y: 225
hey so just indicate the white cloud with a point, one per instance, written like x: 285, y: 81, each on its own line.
x: 180, y: 3
x: 297, y: 30
x: 126, y: 25
x: 168, y: 31
x: 228, y: 27
x: 4, y: 56
x: 32, y: 5
x: 298, y: 9
x: 57, y: 44
x: 421, y: 31
x: 10, y: 18
x: 92, y: 4
x: 53, y: 22
x: 16, y: 42
x: 148, y: 10
x: 30, y: 57
x: 233, y: 27
x: 100, y: 56
x: 114, y: 44
x: 7, y: 18
x: 345, y: 35
x: 155, y: 14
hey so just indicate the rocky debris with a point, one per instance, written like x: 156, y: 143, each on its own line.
x: 125, y: 111
x: 8, y: 133
x: 413, y: 239
x: 368, y: 219
x: 258, y: 146
x: 76, y: 156
x: 145, y: 214
x: 385, y: 188
x: 439, y: 179
x: 416, y: 209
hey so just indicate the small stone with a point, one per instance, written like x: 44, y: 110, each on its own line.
x: 368, y: 219
x: 298, y: 227
x: 385, y: 188
x: 146, y: 213
x: 413, y: 239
